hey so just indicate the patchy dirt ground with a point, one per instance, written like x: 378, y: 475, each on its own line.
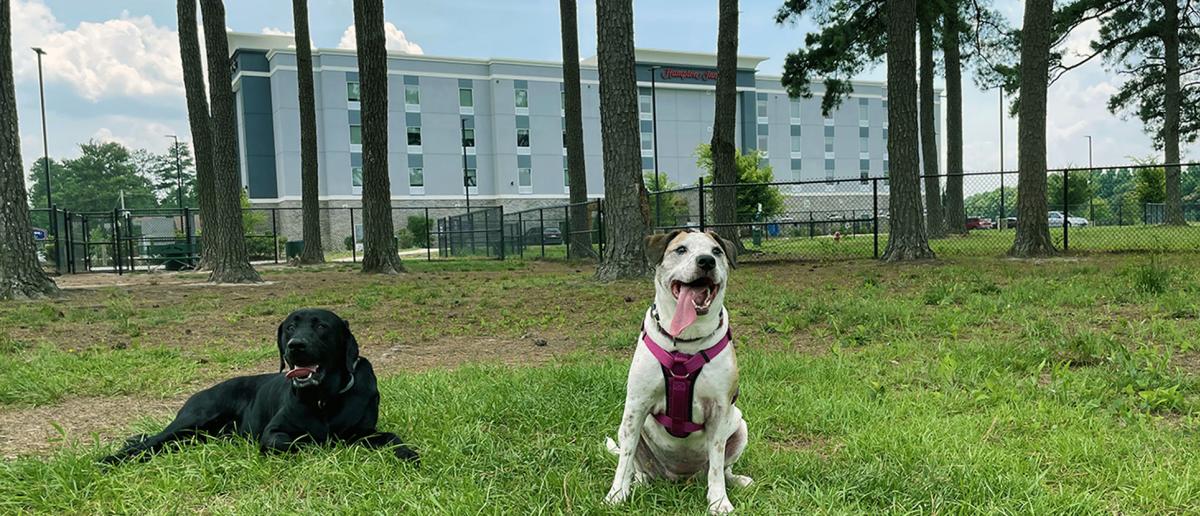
x: 32, y: 431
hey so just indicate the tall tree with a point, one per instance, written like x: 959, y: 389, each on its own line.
x: 1033, y: 232
x: 956, y: 216
x: 97, y: 180
x: 1155, y: 44
x: 934, y: 227
x: 724, y: 119
x: 855, y: 34
x: 230, y: 262
x: 380, y: 255
x: 626, y: 210
x: 310, y: 209
x: 200, y: 123
x: 166, y: 173
x: 21, y: 276
x: 907, y: 239
x: 579, y: 244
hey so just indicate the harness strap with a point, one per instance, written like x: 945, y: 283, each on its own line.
x: 680, y: 371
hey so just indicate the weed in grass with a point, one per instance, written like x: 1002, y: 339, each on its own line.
x: 1087, y: 348
x: 1152, y: 277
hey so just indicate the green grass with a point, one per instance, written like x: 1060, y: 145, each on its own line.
x: 971, y: 385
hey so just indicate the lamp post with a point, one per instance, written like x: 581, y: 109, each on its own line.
x: 178, y: 170
x: 1089, y: 137
x: 45, y: 145
x: 1003, y: 213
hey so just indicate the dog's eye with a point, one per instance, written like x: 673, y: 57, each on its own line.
x: 717, y: 251
x: 680, y: 250
x: 291, y: 327
x: 322, y: 326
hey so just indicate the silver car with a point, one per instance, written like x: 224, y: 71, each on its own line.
x: 1056, y: 220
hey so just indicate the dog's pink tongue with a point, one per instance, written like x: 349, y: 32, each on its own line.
x: 300, y: 372
x: 685, y: 309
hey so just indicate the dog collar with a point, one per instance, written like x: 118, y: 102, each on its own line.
x: 351, y: 383
x: 658, y: 324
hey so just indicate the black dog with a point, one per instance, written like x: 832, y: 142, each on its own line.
x: 328, y: 393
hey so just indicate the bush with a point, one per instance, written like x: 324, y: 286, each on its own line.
x: 349, y: 243
x: 418, y: 227
x: 405, y: 239
x: 1152, y: 277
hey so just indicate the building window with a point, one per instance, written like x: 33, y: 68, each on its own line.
x: 762, y: 108
x: 525, y: 180
x: 466, y: 98
x: 645, y: 104
x: 416, y: 177
x: 522, y: 97
x: 356, y: 135
x: 352, y: 91
x: 468, y: 138
x: 414, y: 136
x: 356, y: 177
x: 762, y: 142
x: 864, y: 144
x: 562, y: 99
x: 647, y: 142
x: 796, y: 167
x: 567, y: 177
x: 863, y: 176
x: 863, y: 104
x: 885, y: 168
x: 795, y: 107
x: 885, y: 134
x: 828, y: 169
x: 797, y: 142
x: 522, y: 137
x: 412, y: 95
x: 564, y: 138
x: 829, y: 134
x: 470, y: 178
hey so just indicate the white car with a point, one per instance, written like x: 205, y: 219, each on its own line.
x: 1056, y: 220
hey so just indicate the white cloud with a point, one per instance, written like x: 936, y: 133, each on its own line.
x: 396, y: 40
x: 128, y: 56
x: 276, y: 31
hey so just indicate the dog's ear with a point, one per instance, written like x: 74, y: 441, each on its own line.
x: 351, y: 346
x: 727, y: 247
x: 656, y: 246
x: 282, y: 345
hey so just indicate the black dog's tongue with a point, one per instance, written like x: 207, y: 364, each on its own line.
x: 301, y: 372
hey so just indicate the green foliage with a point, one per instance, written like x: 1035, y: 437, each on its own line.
x: 669, y: 208
x: 418, y: 229
x: 163, y: 170
x: 95, y: 181
x: 987, y: 204
x: 1079, y: 191
x: 1152, y: 277
x: 256, y: 229
x: 755, y: 173
x: 1151, y: 185
x: 851, y: 39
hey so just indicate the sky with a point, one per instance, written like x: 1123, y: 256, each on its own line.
x: 112, y: 69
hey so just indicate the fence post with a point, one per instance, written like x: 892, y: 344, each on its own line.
x: 132, y: 242
x: 501, y: 208
x: 353, y: 239
x: 116, y: 242
x: 700, y: 194
x: 1066, y: 225
x: 657, y: 206
x: 428, y: 249
x: 600, y: 215
x: 542, y: 230
x: 567, y: 233
x: 275, y: 233
x: 87, y: 248
x: 521, y: 234
x: 875, y: 214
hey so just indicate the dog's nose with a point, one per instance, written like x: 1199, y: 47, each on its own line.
x: 706, y: 262
x: 295, y: 345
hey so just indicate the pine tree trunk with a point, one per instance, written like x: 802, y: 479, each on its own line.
x: 625, y: 205
x: 21, y: 276
x: 906, y: 225
x: 380, y: 255
x: 309, y: 203
x: 579, y: 242
x: 934, y: 225
x: 1033, y: 232
x: 956, y: 217
x: 1171, y: 108
x: 724, y: 119
x: 200, y: 122
x: 230, y: 262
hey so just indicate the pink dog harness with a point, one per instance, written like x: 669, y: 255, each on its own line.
x: 680, y: 371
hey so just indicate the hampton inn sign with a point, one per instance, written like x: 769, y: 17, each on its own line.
x: 683, y: 74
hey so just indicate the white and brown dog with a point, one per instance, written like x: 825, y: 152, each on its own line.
x: 680, y: 417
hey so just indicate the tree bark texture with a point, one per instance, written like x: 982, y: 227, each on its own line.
x: 200, y: 122
x: 956, y: 217
x: 1033, y: 232
x: 309, y: 203
x: 724, y: 120
x: 934, y: 225
x: 580, y: 240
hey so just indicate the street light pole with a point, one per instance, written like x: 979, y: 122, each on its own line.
x: 45, y: 145
x: 178, y: 170
x: 1003, y: 213
x: 1089, y: 150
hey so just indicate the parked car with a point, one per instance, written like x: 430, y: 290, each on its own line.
x: 1010, y: 222
x: 979, y: 223
x: 1055, y: 219
x: 543, y: 235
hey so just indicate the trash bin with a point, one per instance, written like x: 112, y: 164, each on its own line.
x: 773, y: 229
x: 292, y: 249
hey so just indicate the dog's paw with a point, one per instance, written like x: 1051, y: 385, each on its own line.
x: 721, y: 506
x: 616, y: 496
x: 405, y: 453
x: 738, y: 480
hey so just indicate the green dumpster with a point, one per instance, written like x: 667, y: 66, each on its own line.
x: 293, y: 248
